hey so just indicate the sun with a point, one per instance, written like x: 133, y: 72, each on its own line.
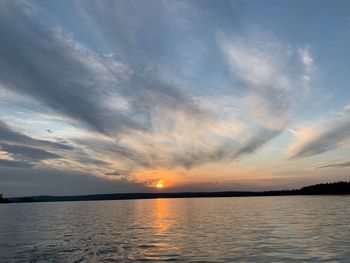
x: 160, y: 184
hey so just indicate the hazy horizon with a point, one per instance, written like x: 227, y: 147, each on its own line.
x: 137, y: 96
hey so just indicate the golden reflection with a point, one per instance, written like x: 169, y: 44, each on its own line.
x: 162, y: 242
x: 162, y: 220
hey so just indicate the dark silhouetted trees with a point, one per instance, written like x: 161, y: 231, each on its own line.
x: 3, y: 200
x: 338, y: 188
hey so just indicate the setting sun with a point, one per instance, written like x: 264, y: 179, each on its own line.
x: 160, y: 184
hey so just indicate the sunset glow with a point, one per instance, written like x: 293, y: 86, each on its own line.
x: 170, y: 113
x: 204, y: 99
x: 160, y: 184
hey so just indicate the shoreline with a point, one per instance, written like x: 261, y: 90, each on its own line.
x: 336, y: 188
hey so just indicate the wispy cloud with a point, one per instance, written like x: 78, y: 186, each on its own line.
x: 345, y: 164
x: 28, y: 152
x: 9, y: 135
x: 21, y: 151
x: 149, y: 86
x: 308, y: 63
x: 15, y: 164
x: 321, y: 136
x: 265, y: 66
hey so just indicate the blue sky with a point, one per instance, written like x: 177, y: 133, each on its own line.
x: 114, y: 96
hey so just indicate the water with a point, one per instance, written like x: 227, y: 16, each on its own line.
x: 246, y: 229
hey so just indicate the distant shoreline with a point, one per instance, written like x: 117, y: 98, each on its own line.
x: 338, y: 188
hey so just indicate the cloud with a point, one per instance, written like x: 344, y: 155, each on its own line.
x: 30, y: 41
x: 308, y: 63
x: 264, y: 65
x: 28, y: 152
x: 143, y: 85
x: 22, y: 151
x: 321, y: 136
x: 9, y: 135
x: 15, y: 164
x: 345, y: 164
x: 113, y: 173
x: 152, y: 181
x: 50, y: 181
x: 226, y: 151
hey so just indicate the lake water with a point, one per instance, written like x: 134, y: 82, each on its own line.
x: 245, y: 229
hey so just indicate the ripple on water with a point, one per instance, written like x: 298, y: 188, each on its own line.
x: 251, y: 229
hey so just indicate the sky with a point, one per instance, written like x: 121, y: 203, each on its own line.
x: 122, y: 96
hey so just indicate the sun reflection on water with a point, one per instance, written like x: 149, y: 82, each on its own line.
x: 161, y: 244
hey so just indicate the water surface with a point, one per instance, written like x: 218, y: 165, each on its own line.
x: 239, y: 229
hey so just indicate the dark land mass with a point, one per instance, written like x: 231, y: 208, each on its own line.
x: 337, y: 188
x: 3, y: 200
